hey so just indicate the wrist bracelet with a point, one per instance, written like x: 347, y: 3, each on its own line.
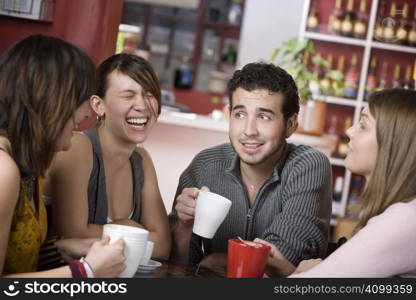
x: 88, y: 269
x: 82, y: 269
x: 75, y: 269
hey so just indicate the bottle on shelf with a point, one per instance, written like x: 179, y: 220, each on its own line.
x: 414, y: 74
x: 347, y: 25
x: 412, y: 33
x: 314, y: 86
x: 338, y: 86
x: 378, y: 31
x: 351, y: 79
x: 389, y: 25
x: 360, y: 25
x: 371, y: 83
x: 335, y: 19
x: 183, y: 75
x: 337, y: 195
x: 396, y: 79
x: 353, y: 207
x: 312, y: 22
x: 325, y: 82
x: 332, y: 134
x: 408, y: 82
x: 402, y: 31
x: 383, y: 78
x: 342, y: 146
x: 235, y: 12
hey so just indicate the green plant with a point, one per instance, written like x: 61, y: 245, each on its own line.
x: 293, y: 55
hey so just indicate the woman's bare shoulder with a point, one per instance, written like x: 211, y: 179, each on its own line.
x: 147, y: 159
x: 8, y: 165
x: 9, y: 176
x: 78, y: 156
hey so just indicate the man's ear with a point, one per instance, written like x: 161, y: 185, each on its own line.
x: 97, y: 105
x: 291, y: 125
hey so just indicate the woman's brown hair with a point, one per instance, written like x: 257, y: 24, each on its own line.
x: 43, y: 80
x: 393, y: 178
x: 137, y: 68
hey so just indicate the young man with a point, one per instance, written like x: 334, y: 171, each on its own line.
x: 279, y: 192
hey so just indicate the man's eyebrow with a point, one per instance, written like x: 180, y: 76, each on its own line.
x: 239, y: 106
x: 266, y: 110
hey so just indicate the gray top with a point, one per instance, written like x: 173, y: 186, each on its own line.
x: 97, y: 195
x: 292, y: 209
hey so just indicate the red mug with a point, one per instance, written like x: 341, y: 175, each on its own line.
x: 246, y: 259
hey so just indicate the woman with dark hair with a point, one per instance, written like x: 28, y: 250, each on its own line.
x: 44, y: 85
x: 383, y: 149
x: 106, y: 177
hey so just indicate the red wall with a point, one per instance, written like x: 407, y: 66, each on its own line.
x: 89, y: 24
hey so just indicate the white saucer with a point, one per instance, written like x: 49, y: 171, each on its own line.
x: 151, y: 265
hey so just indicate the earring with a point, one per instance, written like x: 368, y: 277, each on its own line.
x: 100, y: 117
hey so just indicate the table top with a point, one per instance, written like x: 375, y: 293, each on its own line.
x: 172, y: 269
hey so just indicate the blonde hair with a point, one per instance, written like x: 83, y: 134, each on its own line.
x: 394, y: 174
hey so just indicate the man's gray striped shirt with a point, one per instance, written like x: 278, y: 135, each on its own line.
x: 291, y: 210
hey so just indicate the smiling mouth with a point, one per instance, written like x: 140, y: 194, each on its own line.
x: 138, y: 122
x: 251, y: 147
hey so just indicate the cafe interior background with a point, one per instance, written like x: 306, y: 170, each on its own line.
x: 349, y: 48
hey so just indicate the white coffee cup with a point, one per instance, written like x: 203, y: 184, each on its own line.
x: 211, y: 210
x: 135, y: 241
x: 147, y: 253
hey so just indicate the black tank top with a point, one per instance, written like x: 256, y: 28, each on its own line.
x: 97, y: 196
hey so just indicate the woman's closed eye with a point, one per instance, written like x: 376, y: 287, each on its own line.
x: 127, y: 96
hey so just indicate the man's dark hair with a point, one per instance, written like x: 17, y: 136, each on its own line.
x: 263, y: 76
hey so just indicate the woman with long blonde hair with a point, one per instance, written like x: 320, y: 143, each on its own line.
x: 382, y: 148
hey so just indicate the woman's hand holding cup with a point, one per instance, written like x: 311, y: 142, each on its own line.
x: 105, y: 259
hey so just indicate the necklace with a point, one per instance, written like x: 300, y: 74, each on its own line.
x: 251, y: 186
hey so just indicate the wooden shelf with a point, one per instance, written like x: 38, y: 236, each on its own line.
x: 334, y: 38
x: 223, y: 33
x: 221, y: 24
x: 174, y: 18
x: 337, y: 162
x: 393, y: 47
x: 341, y: 101
x: 224, y: 29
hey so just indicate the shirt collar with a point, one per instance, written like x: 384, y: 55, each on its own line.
x: 234, y: 167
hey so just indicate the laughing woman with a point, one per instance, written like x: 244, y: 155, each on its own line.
x: 383, y: 149
x: 105, y: 177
